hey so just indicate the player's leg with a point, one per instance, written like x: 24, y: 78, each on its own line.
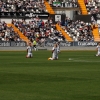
x: 98, y: 54
x: 28, y: 55
x: 35, y: 47
x: 51, y: 58
x: 31, y: 55
x: 56, y: 56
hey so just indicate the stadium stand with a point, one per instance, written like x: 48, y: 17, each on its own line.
x: 58, y: 27
x: 36, y: 6
x: 39, y: 30
x: 82, y: 7
x: 7, y: 33
x: 49, y: 8
x: 79, y: 30
x: 42, y: 31
x: 18, y: 32
x: 95, y: 32
x: 92, y: 6
x: 89, y: 7
x: 65, y: 34
x: 93, y: 9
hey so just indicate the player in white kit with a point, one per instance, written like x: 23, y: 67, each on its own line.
x: 54, y: 53
x: 29, y: 51
x: 58, y: 48
x: 98, y: 49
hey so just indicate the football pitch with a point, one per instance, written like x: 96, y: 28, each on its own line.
x: 75, y: 76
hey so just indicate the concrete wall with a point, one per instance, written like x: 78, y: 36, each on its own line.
x: 48, y: 48
x: 68, y: 13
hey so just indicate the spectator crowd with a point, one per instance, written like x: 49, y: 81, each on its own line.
x: 39, y: 29
x: 92, y: 6
x: 8, y: 33
x: 42, y: 30
x: 35, y: 6
x: 78, y: 30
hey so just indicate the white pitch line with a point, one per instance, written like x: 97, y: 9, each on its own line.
x: 23, y: 62
x: 56, y: 61
x: 78, y: 60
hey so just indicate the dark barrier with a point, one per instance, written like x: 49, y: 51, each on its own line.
x: 68, y: 44
x: 96, y: 16
x: 12, y: 44
x: 26, y: 15
x: 85, y: 43
x: 47, y: 44
x: 62, y: 44
x: 85, y: 18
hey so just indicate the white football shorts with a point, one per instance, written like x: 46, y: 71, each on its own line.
x: 30, y: 55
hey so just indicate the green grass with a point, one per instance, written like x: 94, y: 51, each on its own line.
x: 75, y: 76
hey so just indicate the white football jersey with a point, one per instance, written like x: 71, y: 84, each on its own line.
x: 29, y: 48
x: 54, y: 50
x: 58, y: 48
x: 98, y: 47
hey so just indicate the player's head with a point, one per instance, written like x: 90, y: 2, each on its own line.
x: 99, y: 43
x: 29, y: 43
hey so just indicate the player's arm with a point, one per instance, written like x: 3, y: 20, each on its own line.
x: 58, y: 50
x: 27, y: 50
x: 97, y: 48
x: 53, y: 50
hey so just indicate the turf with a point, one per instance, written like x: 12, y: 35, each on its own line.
x: 75, y: 76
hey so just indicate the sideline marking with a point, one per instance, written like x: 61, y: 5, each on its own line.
x: 79, y: 60
x: 72, y: 60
